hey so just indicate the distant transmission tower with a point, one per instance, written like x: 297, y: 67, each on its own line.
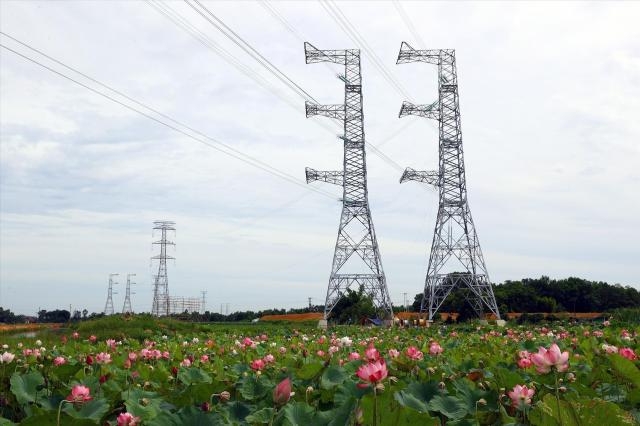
x: 356, y: 260
x: 204, y: 301
x: 126, y: 308
x: 108, y: 307
x: 455, y: 246
x: 161, y: 305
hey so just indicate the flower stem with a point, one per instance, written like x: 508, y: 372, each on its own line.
x: 558, y: 399
x: 60, y: 410
x: 375, y: 407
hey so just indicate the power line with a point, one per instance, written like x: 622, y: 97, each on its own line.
x: 250, y: 50
x: 408, y: 23
x: 343, y: 22
x: 203, y: 138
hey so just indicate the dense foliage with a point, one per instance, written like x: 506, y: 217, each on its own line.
x: 169, y: 373
x: 547, y: 295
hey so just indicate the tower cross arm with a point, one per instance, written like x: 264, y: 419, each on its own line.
x: 313, y: 55
x: 430, y: 177
x: 334, y: 177
x: 408, y: 54
x: 426, y: 111
x: 332, y: 111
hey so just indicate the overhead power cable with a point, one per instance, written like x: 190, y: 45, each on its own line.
x: 171, y: 124
x: 242, y: 43
x: 409, y: 24
x: 343, y: 22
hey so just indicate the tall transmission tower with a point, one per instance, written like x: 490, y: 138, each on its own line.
x: 161, y: 305
x: 356, y: 260
x: 126, y: 308
x: 455, y: 247
x: 108, y: 307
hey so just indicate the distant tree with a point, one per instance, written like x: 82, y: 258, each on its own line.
x: 353, y: 307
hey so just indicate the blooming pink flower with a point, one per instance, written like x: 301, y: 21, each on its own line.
x: 372, y: 354
x: 75, y: 335
x: 414, y: 353
x: 204, y: 358
x: 132, y: 356
x: 103, y: 358
x: 545, y: 360
x: 282, y: 350
x: 521, y: 396
x: 394, y: 353
x: 247, y: 341
x: 373, y: 372
x: 128, y: 419
x: 92, y: 338
x: 257, y: 364
x: 628, y: 353
x: 186, y: 362
x: 7, y: 358
x: 59, y: 360
x: 282, y: 392
x: 79, y: 394
x: 435, y: 349
x: 524, y: 363
x: 165, y: 355
x: 354, y: 356
x: 320, y: 353
x: 610, y: 349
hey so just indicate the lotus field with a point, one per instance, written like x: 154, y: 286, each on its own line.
x: 257, y: 375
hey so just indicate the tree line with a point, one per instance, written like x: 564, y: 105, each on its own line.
x: 527, y: 295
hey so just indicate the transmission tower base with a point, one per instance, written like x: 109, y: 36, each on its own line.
x: 501, y: 323
x: 322, y: 324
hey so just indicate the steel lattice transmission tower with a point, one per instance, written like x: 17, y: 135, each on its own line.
x: 356, y: 260
x: 161, y: 305
x: 126, y: 308
x: 108, y: 307
x: 455, y: 246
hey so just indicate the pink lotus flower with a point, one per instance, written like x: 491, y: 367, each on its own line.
x: 186, y: 362
x: 628, y: 353
x: 521, y: 396
x: 524, y: 363
x: 128, y: 419
x: 282, y: 392
x: 373, y: 372
x: 59, y: 360
x: 132, y: 356
x: 75, y: 335
x: 282, y: 350
x: 414, y: 353
x: 610, y: 349
x: 394, y: 353
x: 204, y: 358
x: 372, y: 354
x: 257, y: 364
x: 7, y: 358
x: 92, y: 338
x: 545, y: 360
x: 354, y: 356
x: 103, y: 358
x: 320, y: 353
x: 435, y: 349
x: 79, y: 394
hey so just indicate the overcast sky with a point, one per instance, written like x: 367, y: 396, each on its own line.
x: 550, y: 103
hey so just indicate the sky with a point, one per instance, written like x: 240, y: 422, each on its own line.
x: 549, y: 98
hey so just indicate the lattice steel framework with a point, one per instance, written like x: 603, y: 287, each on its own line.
x: 455, y: 247
x: 356, y: 235
x: 126, y: 308
x: 108, y: 306
x: 161, y: 305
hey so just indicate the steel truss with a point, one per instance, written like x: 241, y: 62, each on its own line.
x: 161, y: 302
x: 455, y: 243
x: 356, y: 234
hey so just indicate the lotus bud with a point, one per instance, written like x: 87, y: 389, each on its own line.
x: 562, y: 389
x: 431, y: 370
x: 380, y: 387
x: 441, y: 385
x: 309, y: 389
x: 224, y: 396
